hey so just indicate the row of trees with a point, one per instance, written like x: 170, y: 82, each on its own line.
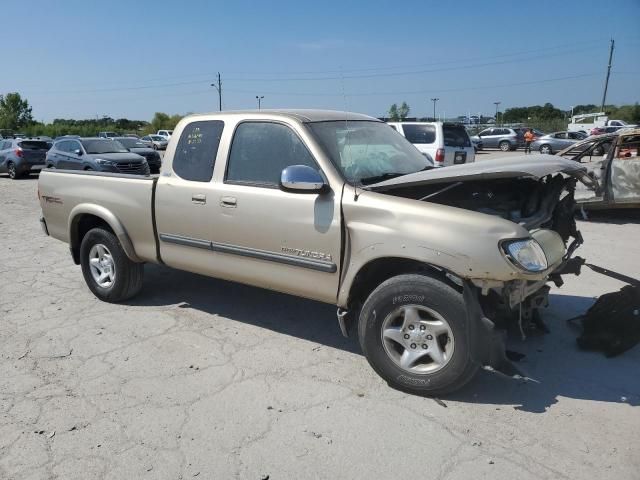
x: 16, y: 116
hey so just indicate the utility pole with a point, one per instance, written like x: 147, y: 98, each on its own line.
x: 497, y: 104
x: 259, y: 98
x: 434, y: 100
x: 218, y: 87
x: 606, y: 82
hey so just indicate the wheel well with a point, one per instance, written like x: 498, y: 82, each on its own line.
x: 79, y: 228
x: 377, y: 271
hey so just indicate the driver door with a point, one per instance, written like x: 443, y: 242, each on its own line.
x: 625, y: 172
x: 284, y: 241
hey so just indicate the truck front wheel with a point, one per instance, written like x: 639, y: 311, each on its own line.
x: 109, y: 273
x: 413, y: 331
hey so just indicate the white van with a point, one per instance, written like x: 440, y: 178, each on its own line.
x: 446, y: 143
x: 165, y: 133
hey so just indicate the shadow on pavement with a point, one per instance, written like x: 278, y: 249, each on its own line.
x: 621, y: 216
x: 553, y: 359
x: 285, y: 314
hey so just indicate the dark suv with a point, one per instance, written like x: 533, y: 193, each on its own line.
x: 135, y: 145
x: 100, y: 154
x: 20, y: 156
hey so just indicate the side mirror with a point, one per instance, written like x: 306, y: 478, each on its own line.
x: 78, y: 152
x: 302, y: 179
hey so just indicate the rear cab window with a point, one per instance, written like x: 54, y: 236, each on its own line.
x: 195, y: 155
x: 420, y: 134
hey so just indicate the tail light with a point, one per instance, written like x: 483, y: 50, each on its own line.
x: 19, y: 153
x: 439, y: 155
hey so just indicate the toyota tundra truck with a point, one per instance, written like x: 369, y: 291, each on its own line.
x: 429, y: 266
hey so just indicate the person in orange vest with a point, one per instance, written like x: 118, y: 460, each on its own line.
x: 528, y: 138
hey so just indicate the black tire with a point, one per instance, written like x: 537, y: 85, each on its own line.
x: 418, y: 291
x: 598, y: 151
x: 546, y: 149
x: 504, y: 146
x: 155, y: 147
x: 13, y: 173
x: 128, y: 274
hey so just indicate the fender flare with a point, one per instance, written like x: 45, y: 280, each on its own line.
x: 104, y: 214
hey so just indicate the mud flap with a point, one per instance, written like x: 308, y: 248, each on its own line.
x: 491, y: 353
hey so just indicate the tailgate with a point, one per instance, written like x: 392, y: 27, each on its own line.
x: 123, y: 201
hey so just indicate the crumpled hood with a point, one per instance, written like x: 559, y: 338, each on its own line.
x: 533, y: 166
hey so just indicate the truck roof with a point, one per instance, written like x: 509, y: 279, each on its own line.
x: 301, y: 115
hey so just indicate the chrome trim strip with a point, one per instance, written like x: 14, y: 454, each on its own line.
x: 319, y: 265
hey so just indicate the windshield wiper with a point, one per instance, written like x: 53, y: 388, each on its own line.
x: 379, y: 178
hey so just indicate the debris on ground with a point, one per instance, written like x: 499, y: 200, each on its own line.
x: 439, y: 402
x: 612, y: 324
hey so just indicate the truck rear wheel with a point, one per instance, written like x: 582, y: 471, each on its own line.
x: 107, y: 270
x: 413, y: 331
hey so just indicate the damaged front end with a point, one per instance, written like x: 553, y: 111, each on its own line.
x: 537, y: 195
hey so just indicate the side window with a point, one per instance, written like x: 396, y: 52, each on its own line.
x: 394, y: 127
x: 62, y: 146
x: 485, y: 132
x: 72, y: 146
x: 420, y: 134
x: 261, y: 150
x: 196, y: 152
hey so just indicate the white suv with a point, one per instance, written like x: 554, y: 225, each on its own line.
x: 446, y: 143
x: 165, y: 133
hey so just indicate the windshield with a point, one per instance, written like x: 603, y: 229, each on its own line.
x: 367, y: 152
x: 103, y: 146
x: 157, y: 138
x: 132, y: 143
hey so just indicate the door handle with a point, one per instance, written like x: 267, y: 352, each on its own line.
x: 229, y: 202
x: 199, y: 199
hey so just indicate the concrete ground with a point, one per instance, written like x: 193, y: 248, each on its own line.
x: 199, y: 378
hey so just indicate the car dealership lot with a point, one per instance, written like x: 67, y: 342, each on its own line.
x: 202, y: 378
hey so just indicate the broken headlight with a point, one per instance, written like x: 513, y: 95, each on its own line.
x: 526, y: 254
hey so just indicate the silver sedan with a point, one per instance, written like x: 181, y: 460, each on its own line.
x: 554, y: 142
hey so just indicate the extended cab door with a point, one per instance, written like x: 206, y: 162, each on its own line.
x: 265, y: 236
x: 186, y: 208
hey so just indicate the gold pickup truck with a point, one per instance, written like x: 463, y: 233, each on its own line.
x: 430, y: 266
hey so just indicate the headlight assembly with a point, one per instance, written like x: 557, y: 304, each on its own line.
x: 526, y: 254
x: 102, y: 161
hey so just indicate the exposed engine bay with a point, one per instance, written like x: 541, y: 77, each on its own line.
x: 534, y: 203
x: 544, y: 203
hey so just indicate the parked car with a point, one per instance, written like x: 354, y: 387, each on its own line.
x: 137, y: 146
x: 107, y: 134
x: 617, y: 173
x: 165, y: 133
x: 446, y: 143
x: 131, y: 135
x: 99, y: 154
x: 501, y: 137
x: 554, y: 142
x: 20, y: 157
x: 336, y: 207
x: 155, y: 141
x: 478, y: 145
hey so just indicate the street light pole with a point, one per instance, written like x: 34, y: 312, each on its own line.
x: 259, y: 98
x: 218, y: 87
x: 434, y: 100
x: 497, y: 104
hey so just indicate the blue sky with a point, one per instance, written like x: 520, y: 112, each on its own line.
x: 79, y: 59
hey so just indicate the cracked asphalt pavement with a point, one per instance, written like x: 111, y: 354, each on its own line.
x: 200, y: 378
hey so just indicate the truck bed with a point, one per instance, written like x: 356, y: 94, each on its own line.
x: 129, y: 198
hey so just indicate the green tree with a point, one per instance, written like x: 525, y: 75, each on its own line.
x: 14, y: 111
x: 404, y: 110
x: 398, y: 114
x: 394, y: 116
